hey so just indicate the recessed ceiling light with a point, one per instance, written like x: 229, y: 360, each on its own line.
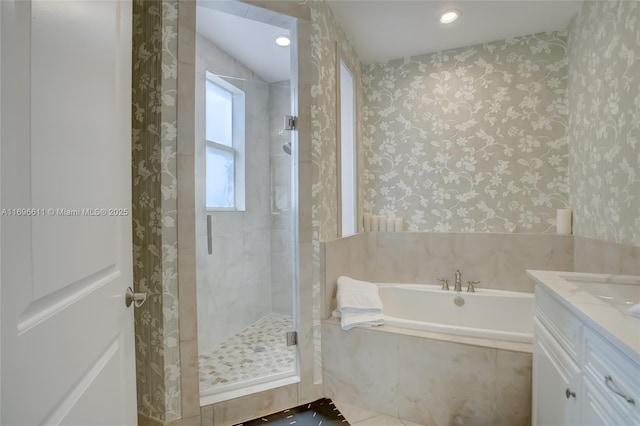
x: 449, y: 15
x: 283, y: 41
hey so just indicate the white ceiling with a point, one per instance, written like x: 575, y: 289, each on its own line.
x: 251, y: 42
x: 385, y: 30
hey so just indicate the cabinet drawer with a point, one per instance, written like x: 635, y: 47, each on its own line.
x: 602, y: 360
x: 565, y: 327
x: 596, y: 407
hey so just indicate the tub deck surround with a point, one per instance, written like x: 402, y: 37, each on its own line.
x: 497, y: 260
x: 429, y: 308
x: 434, y: 362
x: 428, y: 378
x: 601, y: 301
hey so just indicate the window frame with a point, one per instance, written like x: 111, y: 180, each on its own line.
x: 237, y: 147
x: 342, y: 60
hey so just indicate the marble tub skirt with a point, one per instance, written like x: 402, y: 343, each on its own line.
x: 428, y: 378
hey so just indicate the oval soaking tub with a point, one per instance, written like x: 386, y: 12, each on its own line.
x: 487, y: 314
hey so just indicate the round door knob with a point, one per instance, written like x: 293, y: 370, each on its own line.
x: 569, y: 393
x: 137, y: 299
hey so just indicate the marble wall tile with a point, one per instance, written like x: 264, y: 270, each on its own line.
x: 361, y: 368
x: 206, y: 416
x: 304, y: 204
x: 605, y: 257
x: 446, y: 383
x: 188, y: 421
x: 309, y: 288
x: 393, y: 256
x: 252, y: 406
x: 498, y: 261
x: 517, y: 252
x: 187, y: 230
x: 513, y: 389
x: 281, y: 200
x: 240, y: 265
x: 186, y: 201
x: 189, y: 377
x: 345, y: 256
x: 426, y: 381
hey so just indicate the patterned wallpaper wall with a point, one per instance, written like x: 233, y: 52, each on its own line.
x: 154, y: 207
x: 325, y: 34
x: 604, y: 121
x: 471, y: 139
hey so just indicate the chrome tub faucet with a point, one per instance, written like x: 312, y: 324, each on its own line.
x: 458, y: 282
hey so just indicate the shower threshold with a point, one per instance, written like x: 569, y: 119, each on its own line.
x: 250, y: 389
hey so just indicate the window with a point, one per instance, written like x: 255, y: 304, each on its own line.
x: 224, y: 132
x: 348, y: 153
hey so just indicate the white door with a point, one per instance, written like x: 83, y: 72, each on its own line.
x: 67, y: 337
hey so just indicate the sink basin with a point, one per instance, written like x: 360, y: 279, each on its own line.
x: 615, y: 290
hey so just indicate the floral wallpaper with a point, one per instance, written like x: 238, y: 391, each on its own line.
x: 154, y: 207
x: 604, y: 121
x: 471, y: 139
x: 325, y: 34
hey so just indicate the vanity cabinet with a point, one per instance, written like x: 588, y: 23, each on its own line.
x: 579, y: 376
x: 559, y: 376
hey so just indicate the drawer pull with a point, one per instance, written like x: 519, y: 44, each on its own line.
x: 609, y: 382
x: 569, y: 393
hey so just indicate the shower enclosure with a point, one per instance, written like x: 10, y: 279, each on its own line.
x: 245, y: 222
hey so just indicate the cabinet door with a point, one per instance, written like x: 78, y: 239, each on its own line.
x: 556, y: 383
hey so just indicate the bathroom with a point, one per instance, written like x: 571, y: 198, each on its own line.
x: 475, y: 148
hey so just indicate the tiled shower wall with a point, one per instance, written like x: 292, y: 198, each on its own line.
x: 234, y: 282
x: 281, y: 203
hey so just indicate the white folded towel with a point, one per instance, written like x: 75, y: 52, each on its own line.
x: 359, y: 304
x: 634, y: 311
x: 349, y: 320
x: 357, y: 296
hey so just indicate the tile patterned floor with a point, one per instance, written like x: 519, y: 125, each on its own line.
x: 257, y: 352
x: 362, y: 417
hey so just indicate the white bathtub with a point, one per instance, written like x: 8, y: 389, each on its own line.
x: 488, y: 314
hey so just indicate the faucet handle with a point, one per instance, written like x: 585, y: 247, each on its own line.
x: 471, y: 288
x: 445, y: 283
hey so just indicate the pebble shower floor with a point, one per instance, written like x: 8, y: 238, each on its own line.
x: 257, y: 352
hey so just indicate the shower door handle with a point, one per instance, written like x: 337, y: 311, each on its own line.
x: 209, y: 243
x: 137, y: 299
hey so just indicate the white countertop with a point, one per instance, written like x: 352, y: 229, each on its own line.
x: 602, y: 301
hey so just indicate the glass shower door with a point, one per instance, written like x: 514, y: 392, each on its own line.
x: 245, y: 214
